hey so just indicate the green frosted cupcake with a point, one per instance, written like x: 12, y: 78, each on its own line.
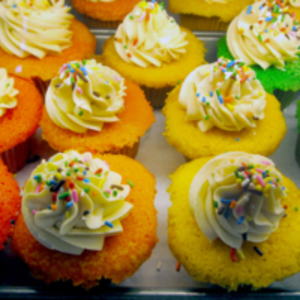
x: 266, y: 36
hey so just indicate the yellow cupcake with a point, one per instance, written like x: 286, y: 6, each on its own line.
x: 207, y: 14
x: 257, y: 264
x: 208, y: 115
x: 156, y: 54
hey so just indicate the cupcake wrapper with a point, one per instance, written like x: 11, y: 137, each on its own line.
x: 16, y: 157
x: 156, y: 97
x: 298, y: 150
x: 286, y: 98
x: 128, y: 151
x: 201, y: 23
x: 95, y: 23
x: 41, y: 85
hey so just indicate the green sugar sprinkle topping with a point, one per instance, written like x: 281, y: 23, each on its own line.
x: 130, y: 183
x: 80, y: 113
x: 216, y: 204
x: 86, y: 189
x: 106, y: 194
x: 115, y: 193
x: 131, y: 17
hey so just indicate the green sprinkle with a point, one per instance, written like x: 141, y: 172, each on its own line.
x: 179, y: 81
x: 216, y: 204
x: 69, y: 173
x: 296, y: 208
x: 72, y: 80
x: 206, y: 117
x: 250, y: 167
x: 106, y: 194
x: 76, y: 159
x: 237, y: 97
x: 84, y: 62
x: 48, y: 183
x: 86, y: 189
x: 76, y: 170
x: 207, y: 103
x: 64, y: 195
x: 172, y: 21
x: 131, y: 17
x: 260, y: 38
x: 98, y: 175
x: 277, y: 179
x: 283, y: 17
x: 218, y: 93
x: 66, y: 163
x: 80, y: 113
x: 115, y: 193
x: 8, y: 85
x: 125, y: 47
x: 77, y: 65
x: 241, y: 64
x: 130, y: 183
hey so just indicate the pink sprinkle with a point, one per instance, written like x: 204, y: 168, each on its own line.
x: 75, y: 195
x: 63, y: 68
x: 34, y: 212
x: 239, y: 210
x: 142, y: 17
x: 292, y: 33
x: 79, y: 90
x: 117, y: 78
x: 38, y: 189
x: 108, y: 191
x: 259, y: 170
x: 106, y: 164
x: 260, y: 180
x: 18, y: 69
x: 264, y: 162
x: 86, y: 158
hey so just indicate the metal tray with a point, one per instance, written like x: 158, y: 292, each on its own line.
x: 157, y: 278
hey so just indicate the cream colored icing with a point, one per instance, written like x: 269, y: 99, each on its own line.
x: 257, y: 208
x: 216, y: 1
x: 34, y: 27
x: 264, y: 34
x: 295, y: 3
x: 85, y: 96
x: 148, y: 36
x: 73, y: 201
x: 8, y: 93
x: 224, y: 94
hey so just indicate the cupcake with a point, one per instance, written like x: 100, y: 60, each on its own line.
x: 38, y: 37
x: 241, y: 217
x: 265, y: 35
x: 298, y: 129
x: 104, y: 13
x: 20, y: 113
x: 207, y: 14
x: 223, y: 107
x: 151, y: 50
x: 85, y: 218
x: 9, y: 203
x: 90, y: 107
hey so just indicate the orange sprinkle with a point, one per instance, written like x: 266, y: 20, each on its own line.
x: 232, y: 204
x: 177, y: 266
x: 67, y: 183
x: 267, y: 41
x: 260, y: 21
x: 135, y: 42
x: 99, y: 171
x: 285, y: 206
x: 129, y: 55
x: 147, y: 16
x: 228, y: 99
x: 283, y: 29
x: 243, y: 164
x: 53, y: 206
x: 79, y: 177
x: 279, y: 3
x: 94, y: 193
x: 119, y: 40
x: 244, y: 78
x: 71, y: 164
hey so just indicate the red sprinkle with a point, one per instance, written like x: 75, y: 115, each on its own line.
x: 99, y: 171
x: 79, y: 177
x: 232, y: 254
x: 72, y: 185
x: 54, y: 195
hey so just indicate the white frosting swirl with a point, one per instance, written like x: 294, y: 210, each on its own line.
x: 237, y: 196
x: 8, y: 93
x: 72, y: 202
x: 265, y: 34
x: 34, y: 27
x: 85, y: 96
x: 148, y: 36
x: 224, y: 94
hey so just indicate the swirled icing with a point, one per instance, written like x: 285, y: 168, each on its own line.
x: 84, y: 96
x: 224, y: 94
x: 34, y: 27
x: 237, y: 196
x: 8, y: 93
x: 266, y: 34
x: 148, y: 36
x: 73, y: 201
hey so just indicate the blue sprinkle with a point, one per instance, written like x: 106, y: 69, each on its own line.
x: 49, y: 207
x: 229, y: 65
x: 53, y: 182
x: 261, y: 7
x: 84, y: 172
x: 249, y: 10
x: 211, y: 94
x: 203, y: 99
x: 69, y: 204
x: 264, y: 174
x: 107, y: 223
x: 266, y: 30
x: 221, y: 99
x: 83, y: 70
x: 225, y: 201
x: 227, y: 212
x: 198, y: 94
x: 241, y: 220
x: 14, y: 6
x: 283, y: 188
x: 86, y: 180
x: 294, y: 28
x: 268, y: 19
x: 237, y: 139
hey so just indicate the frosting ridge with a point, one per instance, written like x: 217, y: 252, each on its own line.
x: 73, y: 201
x: 224, y: 94
x: 84, y: 96
x: 148, y: 36
x: 265, y: 33
x: 237, y: 196
x: 34, y: 27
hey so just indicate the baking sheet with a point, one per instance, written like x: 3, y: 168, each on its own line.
x: 157, y: 277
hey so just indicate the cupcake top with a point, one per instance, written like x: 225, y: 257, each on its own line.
x: 265, y: 33
x: 236, y: 197
x: 224, y: 94
x: 148, y: 36
x: 73, y: 201
x: 8, y: 93
x: 34, y: 27
x: 84, y: 96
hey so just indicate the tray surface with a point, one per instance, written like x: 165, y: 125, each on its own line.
x: 157, y: 277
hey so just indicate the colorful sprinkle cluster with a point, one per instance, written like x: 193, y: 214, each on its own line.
x: 274, y: 20
x: 63, y: 184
